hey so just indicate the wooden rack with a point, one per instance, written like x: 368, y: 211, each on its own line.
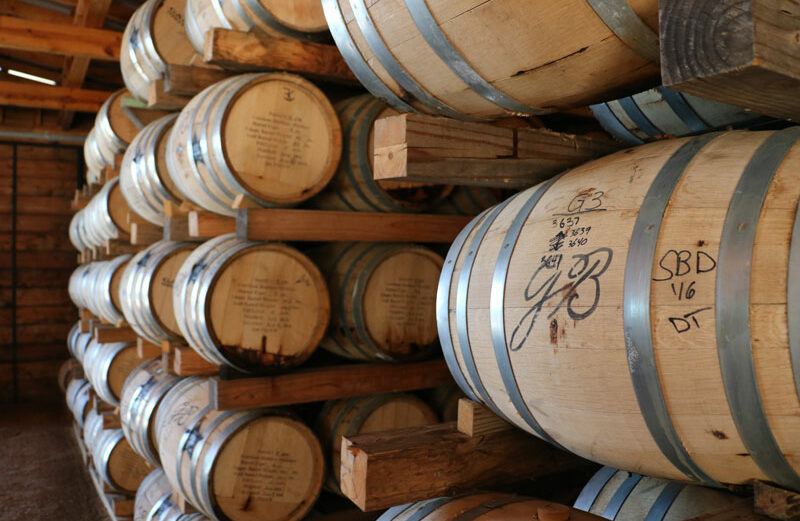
x: 104, y: 334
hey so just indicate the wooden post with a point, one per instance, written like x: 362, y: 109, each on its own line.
x: 741, y: 52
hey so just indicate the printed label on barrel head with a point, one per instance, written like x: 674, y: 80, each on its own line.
x: 266, y: 475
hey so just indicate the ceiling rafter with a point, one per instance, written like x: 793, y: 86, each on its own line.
x: 47, y: 37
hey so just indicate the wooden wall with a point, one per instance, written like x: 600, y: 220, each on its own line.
x: 45, y: 183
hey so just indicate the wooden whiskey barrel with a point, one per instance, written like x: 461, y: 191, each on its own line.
x: 151, y: 494
x: 143, y: 177
x: 485, y: 506
x: 107, y: 366
x: 93, y: 157
x: 644, y: 296
x: 141, y: 396
x: 106, y: 215
x: 661, y: 112
x: 81, y: 283
x: 383, y: 300
x: 72, y: 338
x: 300, y: 19
x: 79, y: 344
x: 146, y: 290
x: 626, y: 496
x: 106, y: 288
x: 154, y: 38
x: 250, y: 305
x: 68, y: 371
x: 78, y: 395
x: 77, y: 232
x: 92, y: 427
x: 544, y: 56
x: 353, y: 186
x: 366, y: 414
x: 116, y: 463
x: 273, y: 137
x: 254, y: 465
x: 113, y: 128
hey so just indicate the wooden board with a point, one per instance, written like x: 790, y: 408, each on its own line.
x: 56, y: 38
x: 326, y: 383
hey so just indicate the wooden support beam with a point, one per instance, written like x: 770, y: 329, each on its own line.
x: 121, y: 246
x: 55, y: 38
x: 187, y: 362
x: 146, y: 350
x: 476, y: 420
x: 740, y: 52
x: 327, y: 383
x: 159, y: 99
x: 44, y: 96
x: 188, y: 80
x: 111, y: 420
x: 107, y: 334
x: 776, y: 502
x: 317, y: 225
x: 256, y: 51
x: 384, y: 469
x: 430, y: 149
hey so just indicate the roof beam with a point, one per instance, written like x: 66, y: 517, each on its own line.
x: 88, y: 13
x: 31, y: 35
x: 27, y: 94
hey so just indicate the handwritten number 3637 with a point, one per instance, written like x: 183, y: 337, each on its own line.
x: 583, y: 287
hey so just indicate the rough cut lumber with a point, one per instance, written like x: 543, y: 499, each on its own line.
x: 258, y: 51
x: 750, y: 60
x: 55, y: 38
x: 327, y: 383
x: 188, y: 80
x: 106, y: 334
x: 186, y: 362
x: 143, y: 232
x: 476, y: 420
x: 390, y: 468
x: 429, y: 149
x: 317, y: 225
x: 111, y: 420
x: 20, y: 94
x: 146, y: 350
x: 158, y: 98
x: 776, y: 502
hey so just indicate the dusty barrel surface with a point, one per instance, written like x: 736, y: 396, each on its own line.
x: 145, y: 290
x: 353, y: 187
x: 107, y: 366
x: 488, y: 506
x: 143, y: 177
x: 645, y: 295
x: 383, y: 300
x: 154, y: 38
x: 363, y: 415
x: 660, y: 112
x: 626, y: 496
x: 250, y: 305
x: 433, y: 56
x: 151, y: 495
x: 256, y: 465
x: 299, y: 19
x: 272, y: 137
x: 116, y: 463
x: 141, y: 397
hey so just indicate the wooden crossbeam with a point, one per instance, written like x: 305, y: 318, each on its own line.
x: 47, y: 97
x: 55, y: 38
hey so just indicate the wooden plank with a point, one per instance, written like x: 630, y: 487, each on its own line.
x: 475, y: 419
x: 429, y: 149
x: 176, y: 228
x: 187, y: 362
x: 55, y: 38
x: 776, y: 502
x: 144, y: 233
x: 147, y: 350
x: 259, y: 51
x: 327, y: 383
x: 188, y: 80
x: 316, y: 225
x: 159, y: 99
x: 758, y: 64
x: 111, y: 420
x: 384, y: 469
x: 44, y: 96
x: 107, y: 334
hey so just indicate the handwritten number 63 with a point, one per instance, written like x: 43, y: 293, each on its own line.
x: 583, y: 276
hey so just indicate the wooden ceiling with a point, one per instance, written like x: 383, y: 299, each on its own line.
x: 74, y: 43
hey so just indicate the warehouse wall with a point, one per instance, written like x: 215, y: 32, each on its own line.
x: 35, y: 310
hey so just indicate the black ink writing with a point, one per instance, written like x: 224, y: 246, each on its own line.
x: 683, y: 324
x: 589, y: 200
x: 677, y: 263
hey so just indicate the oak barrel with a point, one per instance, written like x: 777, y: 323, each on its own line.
x: 353, y: 186
x: 153, y: 39
x: 645, y: 296
x: 81, y: 284
x: 272, y: 137
x: 255, y: 465
x: 78, y: 397
x: 299, y: 19
x: 151, y: 495
x: 143, y: 177
x: 106, y: 289
x: 107, y: 366
x: 626, y: 496
x: 498, y: 57
x: 361, y: 415
x: 142, y: 392
x: 116, y: 463
x: 383, y: 300
x: 72, y: 338
x: 250, y: 305
x: 661, y: 112
x: 145, y: 290
x: 92, y: 427
x: 77, y: 234
x: 485, y: 506
x: 68, y: 371
x: 106, y: 215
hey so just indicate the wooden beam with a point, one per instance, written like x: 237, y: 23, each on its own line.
x: 88, y: 13
x: 21, y: 9
x: 776, y: 502
x: 107, y: 334
x: 384, y: 469
x: 187, y: 362
x: 258, y: 51
x: 54, y: 38
x: 430, y: 149
x: 750, y: 60
x: 45, y: 96
x: 188, y: 80
x: 42, y: 134
x: 327, y: 383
